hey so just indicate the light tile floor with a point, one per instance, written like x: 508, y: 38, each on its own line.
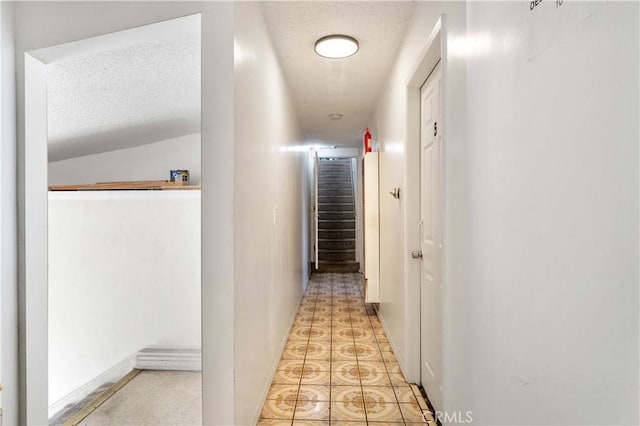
x: 338, y: 367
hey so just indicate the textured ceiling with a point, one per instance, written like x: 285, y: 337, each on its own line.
x: 348, y: 86
x: 143, y: 85
x: 119, y: 95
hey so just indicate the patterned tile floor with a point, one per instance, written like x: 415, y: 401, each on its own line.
x: 338, y: 367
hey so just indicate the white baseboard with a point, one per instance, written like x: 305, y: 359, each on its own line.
x: 112, y: 375
x: 162, y: 358
x: 155, y: 358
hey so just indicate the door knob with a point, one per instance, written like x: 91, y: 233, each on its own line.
x: 416, y: 254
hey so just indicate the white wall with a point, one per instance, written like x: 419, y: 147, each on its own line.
x: 399, y: 295
x: 124, y: 274
x: 145, y: 162
x: 8, y: 218
x: 340, y: 152
x: 42, y: 24
x: 270, y: 257
x: 541, y: 180
x: 553, y: 184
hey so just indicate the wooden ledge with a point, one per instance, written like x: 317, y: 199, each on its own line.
x: 152, y: 185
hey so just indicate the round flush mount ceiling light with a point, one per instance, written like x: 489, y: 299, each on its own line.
x: 336, y: 46
x: 335, y: 116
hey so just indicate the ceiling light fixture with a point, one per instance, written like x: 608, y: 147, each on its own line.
x: 335, y: 116
x: 336, y: 46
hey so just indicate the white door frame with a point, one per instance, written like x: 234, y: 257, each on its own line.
x: 431, y: 239
x: 434, y: 51
x: 34, y: 301
x: 356, y: 164
x: 217, y: 230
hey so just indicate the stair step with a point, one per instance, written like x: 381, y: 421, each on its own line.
x: 332, y: 207
x: 325, y: 191
x: 337, y: 244
x: 337, y: 207
x: 334, y: 178
x: 334, y: 183
x: 338, y: 169
x: 335, y: 170
x: 335, y: 189
x: 328, y: 208
x: 342, y: 178
x: 340, y: 199
x: 346, y: 174
x: 337, y: 255
x: 337, y: 224
x: 328, y: 234
x: 336, y: 215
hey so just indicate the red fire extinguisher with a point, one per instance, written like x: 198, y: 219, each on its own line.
x: 367, y: 141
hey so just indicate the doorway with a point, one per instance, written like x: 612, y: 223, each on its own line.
x: 430, y: 233
x: 335, y: 230
x: 336, y: 215
x: 123, y: 283
x: 428, y: 307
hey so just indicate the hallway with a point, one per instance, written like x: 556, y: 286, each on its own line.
x: 519, y: 171
x: 337, y: 366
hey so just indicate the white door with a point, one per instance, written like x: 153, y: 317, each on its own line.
x: 431, y: 239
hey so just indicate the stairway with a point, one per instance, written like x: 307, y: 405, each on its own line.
x: 336, y: 217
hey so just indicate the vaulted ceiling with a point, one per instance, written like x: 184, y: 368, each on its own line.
x: 129, y: 88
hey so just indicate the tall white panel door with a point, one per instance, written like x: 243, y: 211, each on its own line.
x: 431, y: 239
x: 316, y: 215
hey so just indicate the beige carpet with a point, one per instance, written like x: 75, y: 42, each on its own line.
x: 153, y: 398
